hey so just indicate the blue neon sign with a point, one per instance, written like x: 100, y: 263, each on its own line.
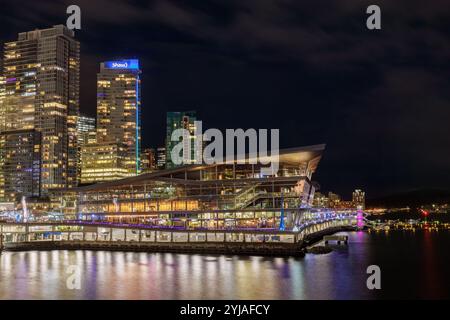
x: 123, y: 64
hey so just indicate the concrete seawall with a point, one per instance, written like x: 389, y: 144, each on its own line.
x: 262, y: 249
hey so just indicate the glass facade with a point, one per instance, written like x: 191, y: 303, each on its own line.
x: 20, y: 158
x: 103, y: 162
x: 220, y: 196
x: 41, y: 98
x: 116, y: 151
x: 181, y: 120
x: 86, y: 130
x: 118, y: 110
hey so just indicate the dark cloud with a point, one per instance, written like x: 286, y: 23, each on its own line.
x: 379, y: 99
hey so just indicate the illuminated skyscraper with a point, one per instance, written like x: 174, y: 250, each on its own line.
x: 41, y: 71
x: 118, y: 109
x: 148, y: 160
x: 333, y: 199
x: 86, y: 130
x: 320, y: 200
x: 161, y: 158
x: 117, y: 151
x: 86, y: 134
x: 181, y: 120
x: 20, y: 158
x: 102, y: 162
x: 359, y: 199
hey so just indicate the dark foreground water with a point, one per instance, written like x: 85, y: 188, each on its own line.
x: 413, y: 265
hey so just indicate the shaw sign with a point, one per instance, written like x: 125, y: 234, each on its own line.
x: 122, y: 64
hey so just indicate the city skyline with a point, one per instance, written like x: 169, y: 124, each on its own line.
x: 370, y: 124
x: 224, y: 156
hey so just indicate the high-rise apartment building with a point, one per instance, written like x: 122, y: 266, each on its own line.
x: 359, y: 199
x: 148, y: 160
x: 116, y: 152
x: 181, y: 120
x: 41, y: 97
x: 333, y: 199
x: 320, y: 200
x: 20, y: 159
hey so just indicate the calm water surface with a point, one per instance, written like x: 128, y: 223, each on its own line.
x: 413, y: 265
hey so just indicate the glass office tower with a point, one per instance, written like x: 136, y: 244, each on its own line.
x: 181, y: 120
x: 117, y: 151
x: 86, y: 130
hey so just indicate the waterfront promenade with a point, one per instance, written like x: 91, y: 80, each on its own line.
x: 141, y: 237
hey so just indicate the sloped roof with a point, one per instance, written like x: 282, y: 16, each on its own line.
x: 292, y: 156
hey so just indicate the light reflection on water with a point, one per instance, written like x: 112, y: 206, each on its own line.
x: 127, y: 275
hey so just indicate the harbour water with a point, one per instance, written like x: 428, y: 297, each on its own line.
x: 413, y: 265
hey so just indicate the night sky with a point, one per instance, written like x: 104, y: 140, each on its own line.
x: 380, y: 99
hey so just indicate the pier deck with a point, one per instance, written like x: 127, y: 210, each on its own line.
x: 74, y: 236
